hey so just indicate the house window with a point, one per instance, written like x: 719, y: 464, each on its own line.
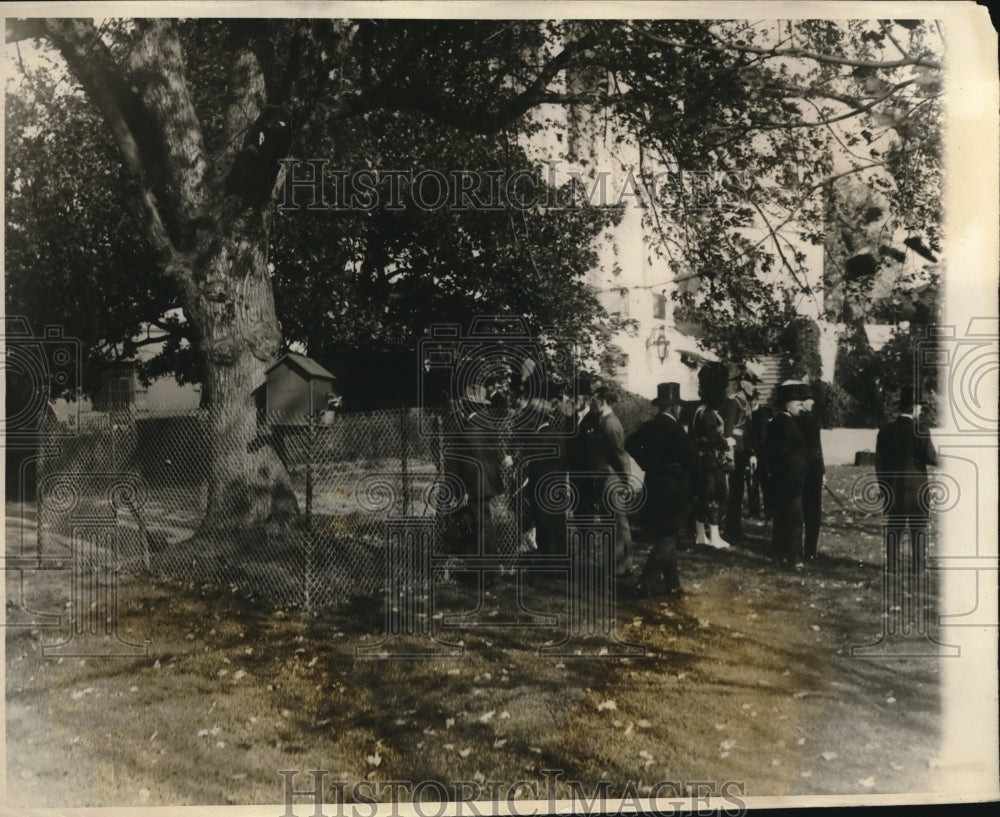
x: 660, y: 307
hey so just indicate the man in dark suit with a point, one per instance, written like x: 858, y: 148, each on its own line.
x: 901, y: 460
x: 736, y: 413
x: 608, y: 460
x: 758, y: 497
x: 663, y: 449
x: 549, y: 525
x: 810, y: 424
x: 785, y: 460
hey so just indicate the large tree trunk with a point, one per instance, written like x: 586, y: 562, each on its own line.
x: 234, y: 314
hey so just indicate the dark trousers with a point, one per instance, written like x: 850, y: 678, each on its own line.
x: 661, y: 564
x: 550, y: 532
x: 812, y: 511
x: 734, y: 506
x: 757, y: 494
x: 787, y: 509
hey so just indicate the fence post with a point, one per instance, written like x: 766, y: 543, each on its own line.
x: 404, y: 459
x: 307, y: 571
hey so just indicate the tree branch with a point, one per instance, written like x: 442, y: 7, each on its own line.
x: 799, y: 53
x: 449, y: 111
x: 157, y: 70
x: 122, y: 109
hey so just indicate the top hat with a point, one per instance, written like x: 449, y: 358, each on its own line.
x: 907, y: 397
x: 788, y: 391
x: 667, y: 394
x: 804, y: 391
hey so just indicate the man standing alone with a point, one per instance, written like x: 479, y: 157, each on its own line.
x: 810, y: 424
x: 664, y: 451
x: 901, y: 460
x: 785, y: 458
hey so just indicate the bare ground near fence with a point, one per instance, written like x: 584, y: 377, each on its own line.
x: 747, y: 678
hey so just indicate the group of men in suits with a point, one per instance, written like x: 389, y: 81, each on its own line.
x: 794, y: 471
x: 702, y: 469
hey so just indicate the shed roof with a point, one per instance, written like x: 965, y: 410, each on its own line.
x: 305, y: 364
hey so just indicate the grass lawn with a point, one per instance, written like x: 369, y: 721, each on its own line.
x: 748, y: 678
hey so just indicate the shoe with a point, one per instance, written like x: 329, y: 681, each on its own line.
x: 716, y: 540
x: 799, y: 565
x: 701, y: 537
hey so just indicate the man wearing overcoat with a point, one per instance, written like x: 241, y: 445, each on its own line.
x: 810, y: 424
x: 663, y: 449
x: 608, y: 460
x: 785, y: 459
x: 901, y: 459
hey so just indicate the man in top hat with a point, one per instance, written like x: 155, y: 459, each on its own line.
x: 665, y: 452
x: 609, y: 462
x: 810, y: 423
x: 901, y: 459
x: 736, y: 413
x: 785, y: 460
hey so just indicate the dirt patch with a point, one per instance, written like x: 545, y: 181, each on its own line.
x: 747, y: 678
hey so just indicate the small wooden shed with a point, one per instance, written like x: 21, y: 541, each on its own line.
x: 296, y: 387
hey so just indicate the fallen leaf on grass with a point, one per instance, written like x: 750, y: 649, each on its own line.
x: 375, y: 759
x: 144, y: 794
x: 486, y: 717
x: 449, y: 722
x: 607, y: 705
x: 800, y: 694
x: 239, y: 674
x: 642, y: 723
x: 867, y: 782
x: 499, y: 744
x: 76, y: 696
x: 465, y: 752
x: 829, y: 755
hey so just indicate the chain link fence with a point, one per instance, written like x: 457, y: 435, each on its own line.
x: 147, y: 477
